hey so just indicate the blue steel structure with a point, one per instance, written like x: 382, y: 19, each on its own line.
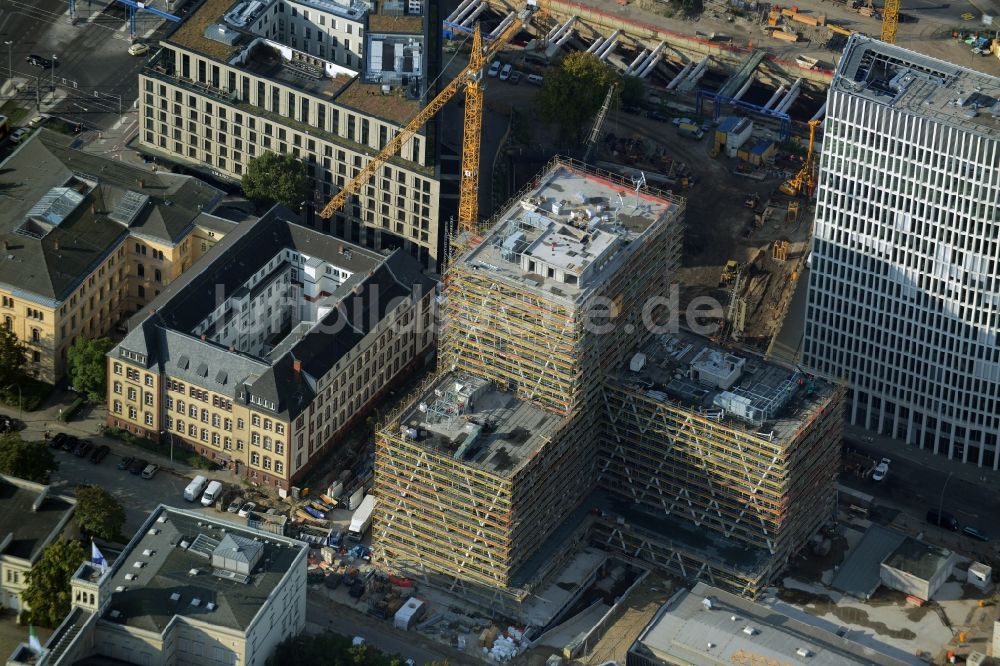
x: 133, y: 7
x: 718, y: 101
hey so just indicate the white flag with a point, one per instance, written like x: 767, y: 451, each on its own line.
x: 96, y: 557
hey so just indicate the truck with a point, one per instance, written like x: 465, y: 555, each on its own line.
x: 691, y: 131
x: 362, y: 519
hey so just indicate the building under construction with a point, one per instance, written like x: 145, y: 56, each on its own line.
x: 726, y: 463
x: 544, y: 425
x: 491, y: 457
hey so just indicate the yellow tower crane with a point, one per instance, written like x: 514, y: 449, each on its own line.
x: 890, y: 17
x: 793, y: 186
x: 472, y: 79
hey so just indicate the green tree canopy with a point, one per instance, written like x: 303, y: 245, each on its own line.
x: 633, y: 90
x: 272, y: 178
x: 88, y: 367
x: 48, y: 591
x: 26, y: 460
x: 574, y: 91
x: 13, y: 356
x: 99, y: 513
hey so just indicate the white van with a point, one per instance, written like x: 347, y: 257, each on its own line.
x: 211, y: 493
x: 194, y: 488
x: 534, y: 79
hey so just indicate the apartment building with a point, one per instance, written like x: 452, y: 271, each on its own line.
x: 328, y: 81
x: 272, y: 348
x: 478, y: 470
x: 904, y: 299
x: 187, y: 589
x: 31, y: 517
x: 88, y: 241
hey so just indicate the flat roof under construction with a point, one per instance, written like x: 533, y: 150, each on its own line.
x: 737, y: 388
x: 477, y: 423
x: 570, y: 232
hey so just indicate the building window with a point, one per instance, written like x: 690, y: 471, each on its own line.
x: 279, y: 447
x: 279, y: 428
x: 149, y: 398
x: 255, y: 420
x: 149, y: 380
x: 215, y: 438
x: 117, y: 387
x: 279, y: 467
x: 254, y: 458
x: 267, y: 443
x: 131, y: 394
x: 255, y: 438
x: 239, y: 445
x: 118, y: 407
x: 132, y: 413
x: 149, y: 419
x: 267, y: 463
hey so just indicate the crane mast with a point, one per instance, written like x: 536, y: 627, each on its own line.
x: 472, y: 78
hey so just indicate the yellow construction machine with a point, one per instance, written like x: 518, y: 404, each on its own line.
x: 793, y: 186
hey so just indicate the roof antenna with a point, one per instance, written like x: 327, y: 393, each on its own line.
x: 639, y: 183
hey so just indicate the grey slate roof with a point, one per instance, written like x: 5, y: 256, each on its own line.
x: 146, y: 602
x: 51, y: 267
x: 162, y: 333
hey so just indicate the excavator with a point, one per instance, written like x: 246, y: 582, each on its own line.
x: 805, y: 176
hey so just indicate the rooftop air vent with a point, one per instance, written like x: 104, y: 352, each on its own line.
x: 196, y: 602
x: 210, y: 606
x: 120, y: 588
x: 708, y: 603
x: 220, y: 33
x: 803, y: 652
x: 749, y: 631
x: 131, y: 576
x: 138, y: 564
x: 176, y: 596
x: 153, y: 532
x: 147, y: 552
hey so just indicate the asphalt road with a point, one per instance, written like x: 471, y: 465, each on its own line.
x: 95, y: 77
x: 916, y: 488
x: 139, y: 496
x: 322, y: 614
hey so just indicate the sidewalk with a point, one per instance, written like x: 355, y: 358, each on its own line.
x: 87, y: 424
x: 968, y: 472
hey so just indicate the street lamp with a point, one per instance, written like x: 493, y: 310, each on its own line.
x: 171, y: 436
x: 941, y: 501
x: 10, y: 61
x: 20, y: 402
x: 54, y: 61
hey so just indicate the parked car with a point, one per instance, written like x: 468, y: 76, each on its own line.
x: 138, y: 49
x: 100, y: 453
x: 247, y: 509
x: 682, y: 121
x: 943, y: 519
x: 83, y: 448
x: 38, y: 61
x: 535, y: 79
x: 505, y: 72
x: 656, y: 115
x: 515, y: 77
x: 235, y: 505
x: 149, y: 471
x: 57, y: 440
x: 17, y: 136
x: 632, y: 109
x: 494, y: 68
x: 137, y: 465
x: 70, y: 443
x: 971, y: 531
x: 125, y: 462
x: 37, y: 120
x: 9, y: 424
x: 881, y: 470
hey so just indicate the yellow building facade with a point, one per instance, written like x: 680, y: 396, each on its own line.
x: 89, y: 244
x: 263, y: 358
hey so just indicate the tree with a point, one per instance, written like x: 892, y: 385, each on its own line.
x: 48, y: 591
x: 13, y: 356
x: 99, y: 513
x: 273, y: 178
x: 88, y: 367
x: 574, y: 91
x: 26, y: 460
x: 633, y: 91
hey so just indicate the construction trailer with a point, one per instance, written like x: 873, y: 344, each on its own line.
x: 482, y: 464
x: 725, y: 464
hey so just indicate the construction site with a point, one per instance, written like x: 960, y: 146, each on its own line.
x: 499, y: 448
x: 734, y: 458
x: 561, y: 418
